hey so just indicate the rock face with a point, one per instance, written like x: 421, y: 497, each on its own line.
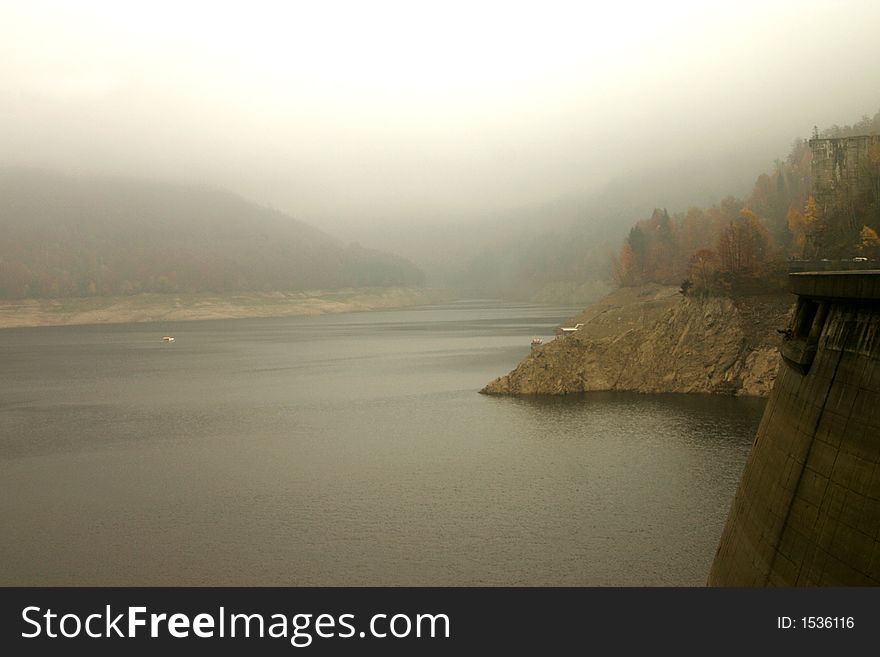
x: 651, y: 339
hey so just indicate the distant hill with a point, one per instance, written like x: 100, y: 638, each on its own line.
x: 66, y: 236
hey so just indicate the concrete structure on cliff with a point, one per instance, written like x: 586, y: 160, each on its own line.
x: 807, y: 511
x: 844, y: 172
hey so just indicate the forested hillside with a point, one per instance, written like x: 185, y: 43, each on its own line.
x: 739, y: 244
x: 72, y: 236
x: 743, y: 245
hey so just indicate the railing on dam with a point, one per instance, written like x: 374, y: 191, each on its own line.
x: 857, y: 263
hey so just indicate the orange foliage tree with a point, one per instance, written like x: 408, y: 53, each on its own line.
x: 703, y: 272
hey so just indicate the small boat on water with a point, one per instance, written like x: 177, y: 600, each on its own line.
x: 167, y: 338
x: 537, y: 342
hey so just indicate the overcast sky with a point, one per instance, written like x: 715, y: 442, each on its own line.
x: 390, y: 109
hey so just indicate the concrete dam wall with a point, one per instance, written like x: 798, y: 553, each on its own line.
x: 807, y: 510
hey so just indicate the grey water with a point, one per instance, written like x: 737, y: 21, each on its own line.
x: 347, y: 449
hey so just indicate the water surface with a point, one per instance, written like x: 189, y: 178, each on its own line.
x: 347, y: 450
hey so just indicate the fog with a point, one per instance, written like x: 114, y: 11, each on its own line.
x: 354, y: 114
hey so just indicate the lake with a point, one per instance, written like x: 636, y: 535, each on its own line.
x: 347, y: 449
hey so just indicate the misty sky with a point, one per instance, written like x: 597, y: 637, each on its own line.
x: 387, y: 110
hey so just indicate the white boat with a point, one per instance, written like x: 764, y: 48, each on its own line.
x: 537, y: 342
x: 167, y: 338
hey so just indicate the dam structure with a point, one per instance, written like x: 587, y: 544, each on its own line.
x: 807, y: 510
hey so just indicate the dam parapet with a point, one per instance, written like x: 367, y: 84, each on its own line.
x: 807, y: 510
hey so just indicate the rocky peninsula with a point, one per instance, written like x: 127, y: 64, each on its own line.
x: 651, y: 339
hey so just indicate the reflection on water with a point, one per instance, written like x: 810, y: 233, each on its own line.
x: 347, y: 449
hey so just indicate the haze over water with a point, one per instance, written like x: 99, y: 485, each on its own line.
x: 347, y: 450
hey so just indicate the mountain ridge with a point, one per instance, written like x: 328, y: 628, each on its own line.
x: 80, y: 236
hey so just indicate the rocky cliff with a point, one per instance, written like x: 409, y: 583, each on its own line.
x: 651, y: 339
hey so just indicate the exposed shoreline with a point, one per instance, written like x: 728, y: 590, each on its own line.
x: 189, y: 307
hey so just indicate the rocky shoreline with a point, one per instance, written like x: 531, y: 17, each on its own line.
x: 183, y: 307
x: 650, y: 339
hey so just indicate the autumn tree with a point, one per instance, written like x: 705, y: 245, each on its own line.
x: 745, y: 244
x: 631, y: 263
x: 624, y: 268
x: 869, y: 242
x: 703, y: 272
x: 638, y: 244
x: 797, y: 227
x: 660, y: 252
x: 815, y: 229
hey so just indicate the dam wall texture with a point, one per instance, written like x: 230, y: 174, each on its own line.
x: 807, y: 510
